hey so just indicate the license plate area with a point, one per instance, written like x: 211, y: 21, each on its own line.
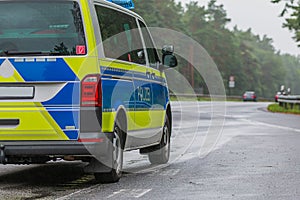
x: 17, y: 92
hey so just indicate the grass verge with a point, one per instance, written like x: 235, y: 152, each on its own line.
x: 277, y: 108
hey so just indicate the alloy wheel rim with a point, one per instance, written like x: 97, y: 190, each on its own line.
x: 166, y: 140
x: 117, y: 151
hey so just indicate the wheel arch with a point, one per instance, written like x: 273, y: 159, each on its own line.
x: 169, y: 115
x: 121, y: 120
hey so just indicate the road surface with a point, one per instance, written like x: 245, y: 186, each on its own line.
x: 230, y: 150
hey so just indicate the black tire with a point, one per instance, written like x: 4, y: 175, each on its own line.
x: 117, y: 159
x: 162, y: 155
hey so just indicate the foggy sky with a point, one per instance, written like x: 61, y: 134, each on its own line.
x: 262, y: 17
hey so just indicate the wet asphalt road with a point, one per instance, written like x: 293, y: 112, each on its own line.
x: 242, y: 152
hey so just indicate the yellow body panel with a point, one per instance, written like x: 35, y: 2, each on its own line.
x: 149, y: 119
x: 35, y: 123
x: 15, y: 78
x: 83, y: 66
x: 89, y: 30
x: 143, y: 120
x: 108, y: 120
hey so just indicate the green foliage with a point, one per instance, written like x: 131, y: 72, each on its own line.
x: 292, y: 21
x: 292, y: 76
x: 152, y: 10
x: 251, y: 58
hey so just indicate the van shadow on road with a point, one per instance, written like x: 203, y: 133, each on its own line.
x: 50, y: 180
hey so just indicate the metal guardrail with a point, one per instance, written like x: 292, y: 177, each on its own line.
x: 207, y: 96
x: 289, y: 101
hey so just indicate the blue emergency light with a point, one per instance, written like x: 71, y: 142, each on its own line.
x: 124, y: 3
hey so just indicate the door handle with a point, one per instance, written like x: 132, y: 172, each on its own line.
x: 153, y: 76
x: 148, y: 74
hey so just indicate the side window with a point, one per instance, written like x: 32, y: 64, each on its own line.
x: 120, y: 35
x: 151, y: 51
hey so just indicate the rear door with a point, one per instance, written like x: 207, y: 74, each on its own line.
x: 42, y: 44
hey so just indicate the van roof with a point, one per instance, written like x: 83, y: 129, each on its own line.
x: 118, y: 7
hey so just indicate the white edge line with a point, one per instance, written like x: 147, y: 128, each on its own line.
x: 77, y: 192
x: 271, y: 125
x: 143, y: 193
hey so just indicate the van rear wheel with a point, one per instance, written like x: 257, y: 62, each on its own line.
x: 117, y: 159
x: 162, y: 155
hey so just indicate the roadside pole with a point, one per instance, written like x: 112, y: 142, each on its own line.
x: 231, y: 84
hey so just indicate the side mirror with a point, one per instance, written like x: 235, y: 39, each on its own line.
x: 141, y: 54
x: 168, y: 49
x: 168, y: 57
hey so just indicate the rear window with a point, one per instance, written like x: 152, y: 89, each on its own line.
x: 41, y: 27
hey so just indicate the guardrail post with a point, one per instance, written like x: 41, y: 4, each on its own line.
x: 289, y: 101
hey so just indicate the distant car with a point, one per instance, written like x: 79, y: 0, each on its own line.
x: 249, y: 96
x: 277, y: 96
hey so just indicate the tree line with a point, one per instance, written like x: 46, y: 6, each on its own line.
x: 250, y: 58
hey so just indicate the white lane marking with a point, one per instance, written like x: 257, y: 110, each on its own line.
x: 271, y: 125
x: 116, y: 193
x: 170, y: 172
x: 165, y: 172
x: 85, y: 190
x: 143, y: 193
x: 130, y: 193
x: 191, y: 106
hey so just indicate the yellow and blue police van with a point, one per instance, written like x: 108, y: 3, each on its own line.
x: 81, y: 80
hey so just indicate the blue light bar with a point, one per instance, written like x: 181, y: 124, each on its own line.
x: 124, y: 3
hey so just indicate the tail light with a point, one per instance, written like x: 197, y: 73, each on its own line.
x: 91, y: 91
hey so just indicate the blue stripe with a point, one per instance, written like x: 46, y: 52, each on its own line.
x: 72, y: 135
x: 143, y: 97
x: 114, y: 71
x: 45, y: 71
x: 66, y: 117
x: 69, y: 95
x: 116, y: 93
x: 1, y: 61
x: 141, y: 75
x: 159, y: 95
x: 144, y: 76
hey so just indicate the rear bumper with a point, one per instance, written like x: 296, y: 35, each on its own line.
x: 100, y: 145
x: 249, y: 99
x: 41, y: 148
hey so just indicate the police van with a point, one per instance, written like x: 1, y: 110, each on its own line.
x: 81, y: 80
